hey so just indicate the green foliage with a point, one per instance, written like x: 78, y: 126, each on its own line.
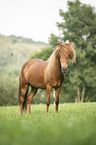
x: 53, y: 40
x: 44, y: 54
x: 8, y: 90
x: 79, y: 26
x: 15, y: 51
x: 74, y: 124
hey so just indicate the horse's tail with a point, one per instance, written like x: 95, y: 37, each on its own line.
x: 19, y: 89
x: 19, y: 92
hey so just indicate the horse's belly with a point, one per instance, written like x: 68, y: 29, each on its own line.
x: 37, y: 84
x: 36, y: 81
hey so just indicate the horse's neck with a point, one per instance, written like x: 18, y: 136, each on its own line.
x: 54, y: 62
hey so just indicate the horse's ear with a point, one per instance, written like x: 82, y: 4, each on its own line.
x: 58, y: 43
x: 71, y: 43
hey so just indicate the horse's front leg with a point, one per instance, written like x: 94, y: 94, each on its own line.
x: 57, y: 92
x: 48, y: 90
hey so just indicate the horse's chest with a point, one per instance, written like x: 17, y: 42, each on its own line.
x: 56, y: 81
x: 57, y: 84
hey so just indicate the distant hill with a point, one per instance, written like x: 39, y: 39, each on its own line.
x: 14, y: 51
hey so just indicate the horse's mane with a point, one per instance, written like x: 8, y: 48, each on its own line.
x: 52, y: 61
x: 65, y: 49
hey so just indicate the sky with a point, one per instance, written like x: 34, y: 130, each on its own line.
x: 35, y: 19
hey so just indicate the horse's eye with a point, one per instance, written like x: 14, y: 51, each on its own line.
x: 69, y: 55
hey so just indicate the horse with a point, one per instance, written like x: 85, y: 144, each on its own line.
x: 45, y: 75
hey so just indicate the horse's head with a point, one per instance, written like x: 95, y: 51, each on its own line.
x: 64, y: 63
x: 66, y: 53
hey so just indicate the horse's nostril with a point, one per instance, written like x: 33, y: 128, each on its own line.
x: 66, y: 68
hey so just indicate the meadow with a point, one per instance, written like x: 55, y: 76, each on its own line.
x: 75, y: 124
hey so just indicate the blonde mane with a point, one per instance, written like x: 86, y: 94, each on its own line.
x: 52, y: 62
x: 65, y: 49
x: 68, y: 51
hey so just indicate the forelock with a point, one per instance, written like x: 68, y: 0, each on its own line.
x: 67, y: 50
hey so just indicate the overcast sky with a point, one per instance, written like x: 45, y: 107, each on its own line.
x: 34, y: 19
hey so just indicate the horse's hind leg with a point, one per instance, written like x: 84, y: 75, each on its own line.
x: 22, y: 97
x: 29, y: 99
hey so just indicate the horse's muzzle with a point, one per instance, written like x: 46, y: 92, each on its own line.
x: 64, y: 70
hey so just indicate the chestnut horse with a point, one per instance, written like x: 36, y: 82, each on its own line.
x: 45, y: 75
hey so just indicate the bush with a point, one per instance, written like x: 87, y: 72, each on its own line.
x: 8, y: 91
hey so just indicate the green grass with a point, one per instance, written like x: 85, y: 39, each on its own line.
x: 75, y: 124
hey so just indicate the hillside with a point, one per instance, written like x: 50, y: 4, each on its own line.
x: 14, y: 51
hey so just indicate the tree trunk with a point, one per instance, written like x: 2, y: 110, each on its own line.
x: 78, y: 95
x: 87, y: 97
x: 83, y: 92
x: 75, y: 99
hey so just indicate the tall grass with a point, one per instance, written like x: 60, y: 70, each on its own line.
x: 75, y: 124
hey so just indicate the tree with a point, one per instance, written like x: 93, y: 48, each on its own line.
x: 44, y: 54
x: 79, y: 26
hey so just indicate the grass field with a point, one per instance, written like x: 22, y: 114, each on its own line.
x: 75, y: 124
